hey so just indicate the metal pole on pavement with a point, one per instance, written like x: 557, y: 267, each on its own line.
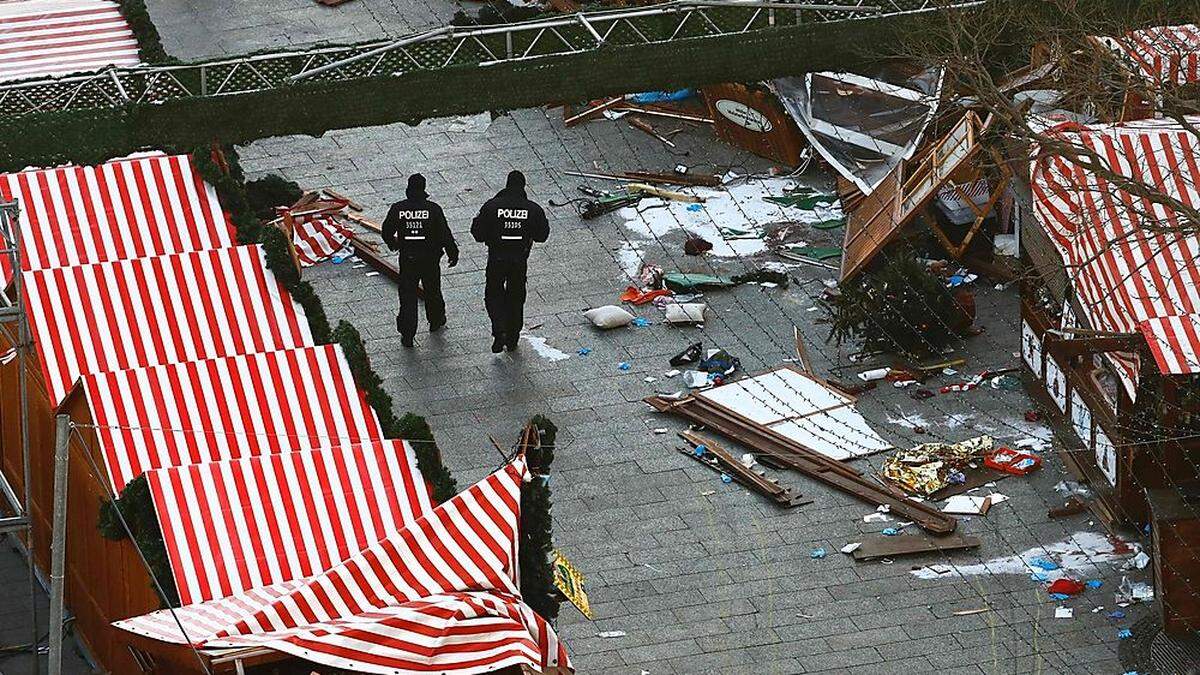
x: 58, y: 541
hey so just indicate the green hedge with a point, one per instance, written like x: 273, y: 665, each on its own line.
x: 315, y: 107
x: 537, y: 527
x: 138, y: 508
x: 150, y: 47
x: 410, y: 427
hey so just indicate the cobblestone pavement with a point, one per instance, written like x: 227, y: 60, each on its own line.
x: 15, y: 628
x: 700, y: 576
x: 195, y: 29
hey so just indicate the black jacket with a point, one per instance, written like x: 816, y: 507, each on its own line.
x: 509, y: 223
x: 416, y: 227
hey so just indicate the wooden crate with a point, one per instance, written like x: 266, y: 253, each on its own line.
x: 1175, y: 519
x: 753, y: 119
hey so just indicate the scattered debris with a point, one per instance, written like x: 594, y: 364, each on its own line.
x: 711, y: 454
x: 896, y: 545
x: 1079, y: 554
x: 784, y: 414
x: 1132, y: 592
x: 930, y: 467
x: 608, y: 317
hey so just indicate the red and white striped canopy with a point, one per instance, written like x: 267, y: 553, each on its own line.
x: 318, y: 238
x: 157, y: 310
x: 234, y: 526
x: 127, y: 208
x: 40, y: 38
x: 1162, y: 55
x: 225, y: 408
x: 440, y: 596
x: 1132, y: 261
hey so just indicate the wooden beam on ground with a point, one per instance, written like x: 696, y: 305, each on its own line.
x: 366, y: 251
x: 763, y: 440
x: 724, y: 461
x: 882, y: 546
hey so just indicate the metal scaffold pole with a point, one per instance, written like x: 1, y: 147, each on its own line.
x: 12, y: 312
x: 58, y: 540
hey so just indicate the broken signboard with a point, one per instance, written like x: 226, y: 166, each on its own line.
x: 569, y: 582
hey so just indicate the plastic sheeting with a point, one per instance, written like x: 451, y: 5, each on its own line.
x: 864, y: 127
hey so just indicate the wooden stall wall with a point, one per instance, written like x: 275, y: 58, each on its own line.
x: 105, y: 580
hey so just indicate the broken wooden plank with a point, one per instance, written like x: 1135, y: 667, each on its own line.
x: 741, y: 473
x: 762, y: 440
x: 366, y: 251
x: 341, y: 197
x: 882, y: 546
x: 365, y: 222
x: 801, y: 350
x: 644, y: 126
x: 590, y: 112
x: 669, y: 195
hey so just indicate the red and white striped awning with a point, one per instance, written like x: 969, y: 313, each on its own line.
x: 440, y: 595
x: 1132, y: 261
x: 225, y: 408
x: 157, y: 310
x: 318, y: 237
x: 40, y: 38
x: 1162, y: 55
x: 234, y: 526
x: 127, y: 208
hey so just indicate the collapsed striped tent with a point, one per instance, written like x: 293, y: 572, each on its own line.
x: 318, y: 237
x: 1131, y: 260
x: 156, y: 310
x: 233, y: 526
x: 225, y: 408
x: 40, y: 38
x: 1161, y: 55
x: 440, y: 595
x: 127, y: 208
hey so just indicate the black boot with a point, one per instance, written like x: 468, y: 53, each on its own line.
x: 435, y: 327
x: 407, y: 341
x: 498, y: 344
x: 512, y: 344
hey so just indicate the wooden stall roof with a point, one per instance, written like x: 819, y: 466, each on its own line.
x: 875, y: 220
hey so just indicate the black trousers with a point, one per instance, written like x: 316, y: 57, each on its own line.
x: 504, y: 296
x: 428, y: 274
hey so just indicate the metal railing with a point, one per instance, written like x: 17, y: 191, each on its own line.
x: 451, y: 46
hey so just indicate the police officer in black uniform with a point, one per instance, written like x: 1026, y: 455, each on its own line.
x: 416, y: 227
x: 509, y: 224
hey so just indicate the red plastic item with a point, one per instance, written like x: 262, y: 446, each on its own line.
x: 1012, y: 461
x: 634, y: 296
x: 1066, y: 587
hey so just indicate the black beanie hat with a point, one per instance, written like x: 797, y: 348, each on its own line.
x: 516, y: 180
x: 416, y: 187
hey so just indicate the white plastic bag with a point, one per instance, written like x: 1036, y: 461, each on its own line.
x: 608, y: 316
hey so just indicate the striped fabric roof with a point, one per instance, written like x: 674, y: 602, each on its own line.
x: 157, y: 310
x: 318, y: 238
x: 40, y: 38
x: 1130, y: 268
x: 438, y: 596
x: 128, y: 208
x: 225, y: 408
x: 234, y: 526
x: 1161, y: 54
